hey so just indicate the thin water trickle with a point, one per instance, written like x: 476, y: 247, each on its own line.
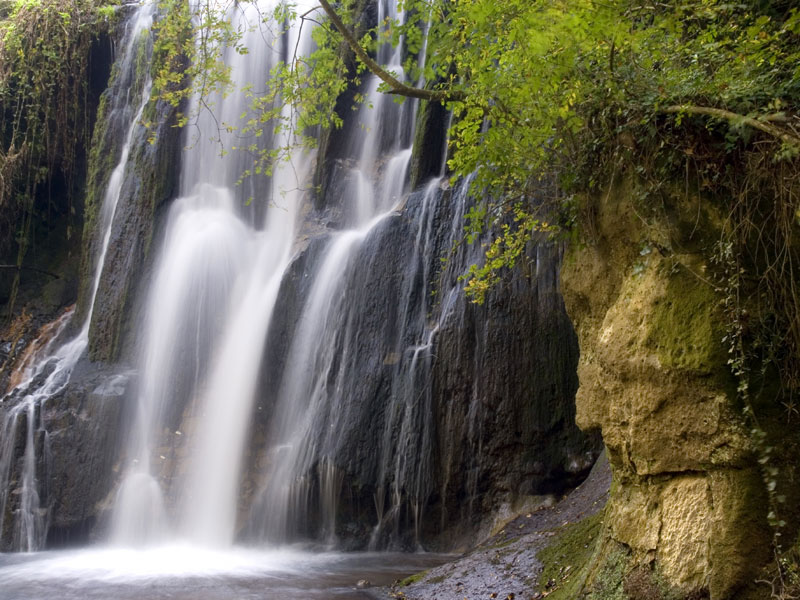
x: 301, y: 399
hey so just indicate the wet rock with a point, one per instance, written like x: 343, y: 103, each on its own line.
x: 508, y: 564
x: 86, y: 434
x: 437, y: 410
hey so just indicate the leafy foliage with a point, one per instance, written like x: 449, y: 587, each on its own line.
x: 188, y: 55
x: 556, y: 88
x: 551, y: 98
x: 552, y: 89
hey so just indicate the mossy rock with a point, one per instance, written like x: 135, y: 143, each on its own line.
x: 687, y: 326
x: 413, y: 578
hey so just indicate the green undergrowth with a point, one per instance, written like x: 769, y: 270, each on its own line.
x: 581, y: 563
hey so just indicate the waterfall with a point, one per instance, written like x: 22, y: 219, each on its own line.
x: 311, y: 384
x: 288, y: 353
x: 227, y: 266
x: 49, y: 374
x: 200, y: 367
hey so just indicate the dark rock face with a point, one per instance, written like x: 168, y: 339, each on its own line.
x: 430, y: 142
x: 504, y: 383
x: 437, y: 410
x: 333, y: 143
x: 86, y: 434
x: 50, y: 274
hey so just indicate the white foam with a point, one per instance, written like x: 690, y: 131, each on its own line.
x: 174, y: 561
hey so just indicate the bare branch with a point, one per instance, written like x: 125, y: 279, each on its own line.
x: 735, y: 118
x: 396, y: 86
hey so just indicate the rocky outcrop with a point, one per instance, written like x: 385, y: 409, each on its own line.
x: 688, y: 495
x: 48, y: 279
x: 86, y: 434
x: 77, y: 442
x: 149, y: 183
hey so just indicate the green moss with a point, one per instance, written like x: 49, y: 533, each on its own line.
x: 686, y: 327
x: 144, y: 59
x: 105, y: 151
x: 567, y: 560
x: 100, y: 166
x: 412, y: 579
x: 609, y: 582
x: 418, y: 147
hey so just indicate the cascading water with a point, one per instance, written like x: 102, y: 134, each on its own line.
x: 206, y: 247
x: 50, y: 374
x: 408, y: 429
x: 384, y: 148
x: 302, y: 399
x: 229, y: 269
x: 311, y: 385
x: 222, y: 348
x: 320, y: 393
x: 304, y: 477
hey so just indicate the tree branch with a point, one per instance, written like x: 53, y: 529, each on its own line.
x: 396, y: 86
x: 720, y: 113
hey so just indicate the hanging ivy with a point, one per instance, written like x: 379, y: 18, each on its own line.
x: 45, y: 47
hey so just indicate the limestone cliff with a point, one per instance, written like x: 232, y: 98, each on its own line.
x: 688, y: 497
